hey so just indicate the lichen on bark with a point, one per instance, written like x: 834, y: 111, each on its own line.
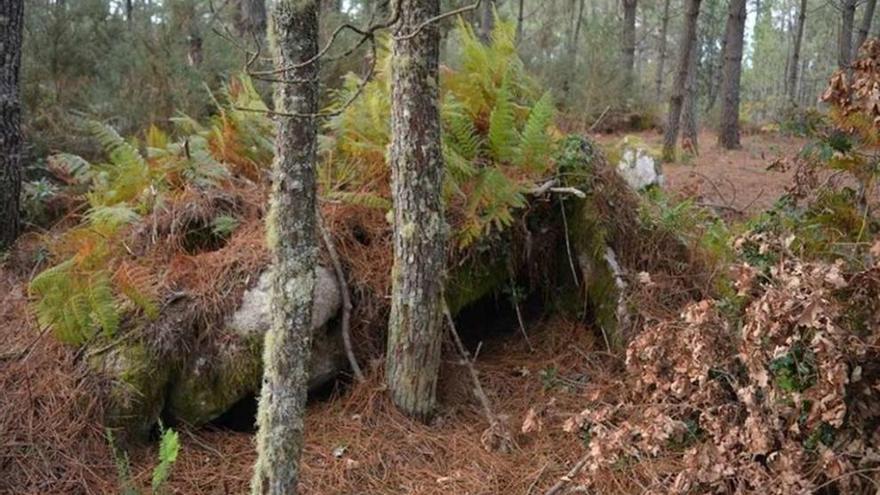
x: 415, y: 325
x: 292, y: 241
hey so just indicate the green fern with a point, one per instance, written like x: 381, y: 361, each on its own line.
x: 502, y: 126
x: 76, y: 305
x: 108, y: 219
x: 169, y: 448
x: 535, y: 146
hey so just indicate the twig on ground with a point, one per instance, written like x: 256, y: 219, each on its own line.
x: 565, y: 480
x: 497, y: 428
x: 346, y: 301
x: 514, y: 299
x: 568, y: 243
x: 599, y: 120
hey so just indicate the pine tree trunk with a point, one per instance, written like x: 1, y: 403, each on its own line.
x: 844, y: 43
x: 791, y: 81
x: 865, y: 27
x: 629, y: 42
x: 249, y: 19
x: 11, y: 21
x: 676, y: 101
x: 487, y: 20
x: 661, y: 56
x: 571, y: 50
x: 690, y: 129
x: 415, y: 326
x: 519, y: 22
x: 728, y: 136
x: 291, y: 236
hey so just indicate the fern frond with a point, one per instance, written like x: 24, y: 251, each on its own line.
x: 138, y: 284
x: 503, y: 137
x: 534, y: 148
x: 120, y: 151
x: 461, y: 133
x: 108, y: 219
x: 72, y: 169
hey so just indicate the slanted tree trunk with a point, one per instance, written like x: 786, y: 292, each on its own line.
x: 292, y: 241
x: 865, y: 27
x: 415, y: 327
x: 690, y: 129
x: 661, y: 51
x: 676, y: 101
x: 844, y: 42
x: 792, y: 76
x: 487, y: 20
x: 11, y: 22
x: 728, y: 136
x: 628, y: 38
x: 519, y: 22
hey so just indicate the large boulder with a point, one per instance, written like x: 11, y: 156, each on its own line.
x: 230, y: 368
x: 196, y: 385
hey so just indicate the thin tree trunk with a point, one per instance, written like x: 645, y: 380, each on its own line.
x: 249, y: 19
x: 519, y: 22
x: 690, y: 129
x: 292, y: 240
x: 844, y: 42
x: 865, y: 27
x: 12, y: 21
x: 415, y: 327
x: 572, y: 51
x: 736, y: 20
x: 661, y: 56
x: 487, y: 20
x: 129, y: 8
x: 791, y: 82
x: 628, y: 39
x: 676, y: 101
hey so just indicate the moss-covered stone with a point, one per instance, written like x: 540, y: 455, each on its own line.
x: 137, y: 388
x: 474, y: 280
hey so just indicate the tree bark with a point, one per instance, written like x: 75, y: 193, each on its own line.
x: 487, y: 20
x: 249, y: 19
x: 865, y: 27
x: 11, y: 21
x: 844, y: 42
x: 690, y: 129
x: 572, y: 51
x: 661, y: 56
x: 629, y: 42
x: 676, y: 101
x: 292, y: 240
x: 728, y: 136
x: 519, y: 22
x: 791, y: 80
x: 415, y: 325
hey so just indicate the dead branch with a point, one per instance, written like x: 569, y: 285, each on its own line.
x: 502, y: 438
x: 565, y: 480
x: 346, y: 301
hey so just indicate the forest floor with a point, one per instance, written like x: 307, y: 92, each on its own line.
x: 51, y: 441
x: 739, y: 178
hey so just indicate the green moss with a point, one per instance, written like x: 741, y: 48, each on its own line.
x: 137, y: 393
x: 214, y: 382
x: 475, y: 280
